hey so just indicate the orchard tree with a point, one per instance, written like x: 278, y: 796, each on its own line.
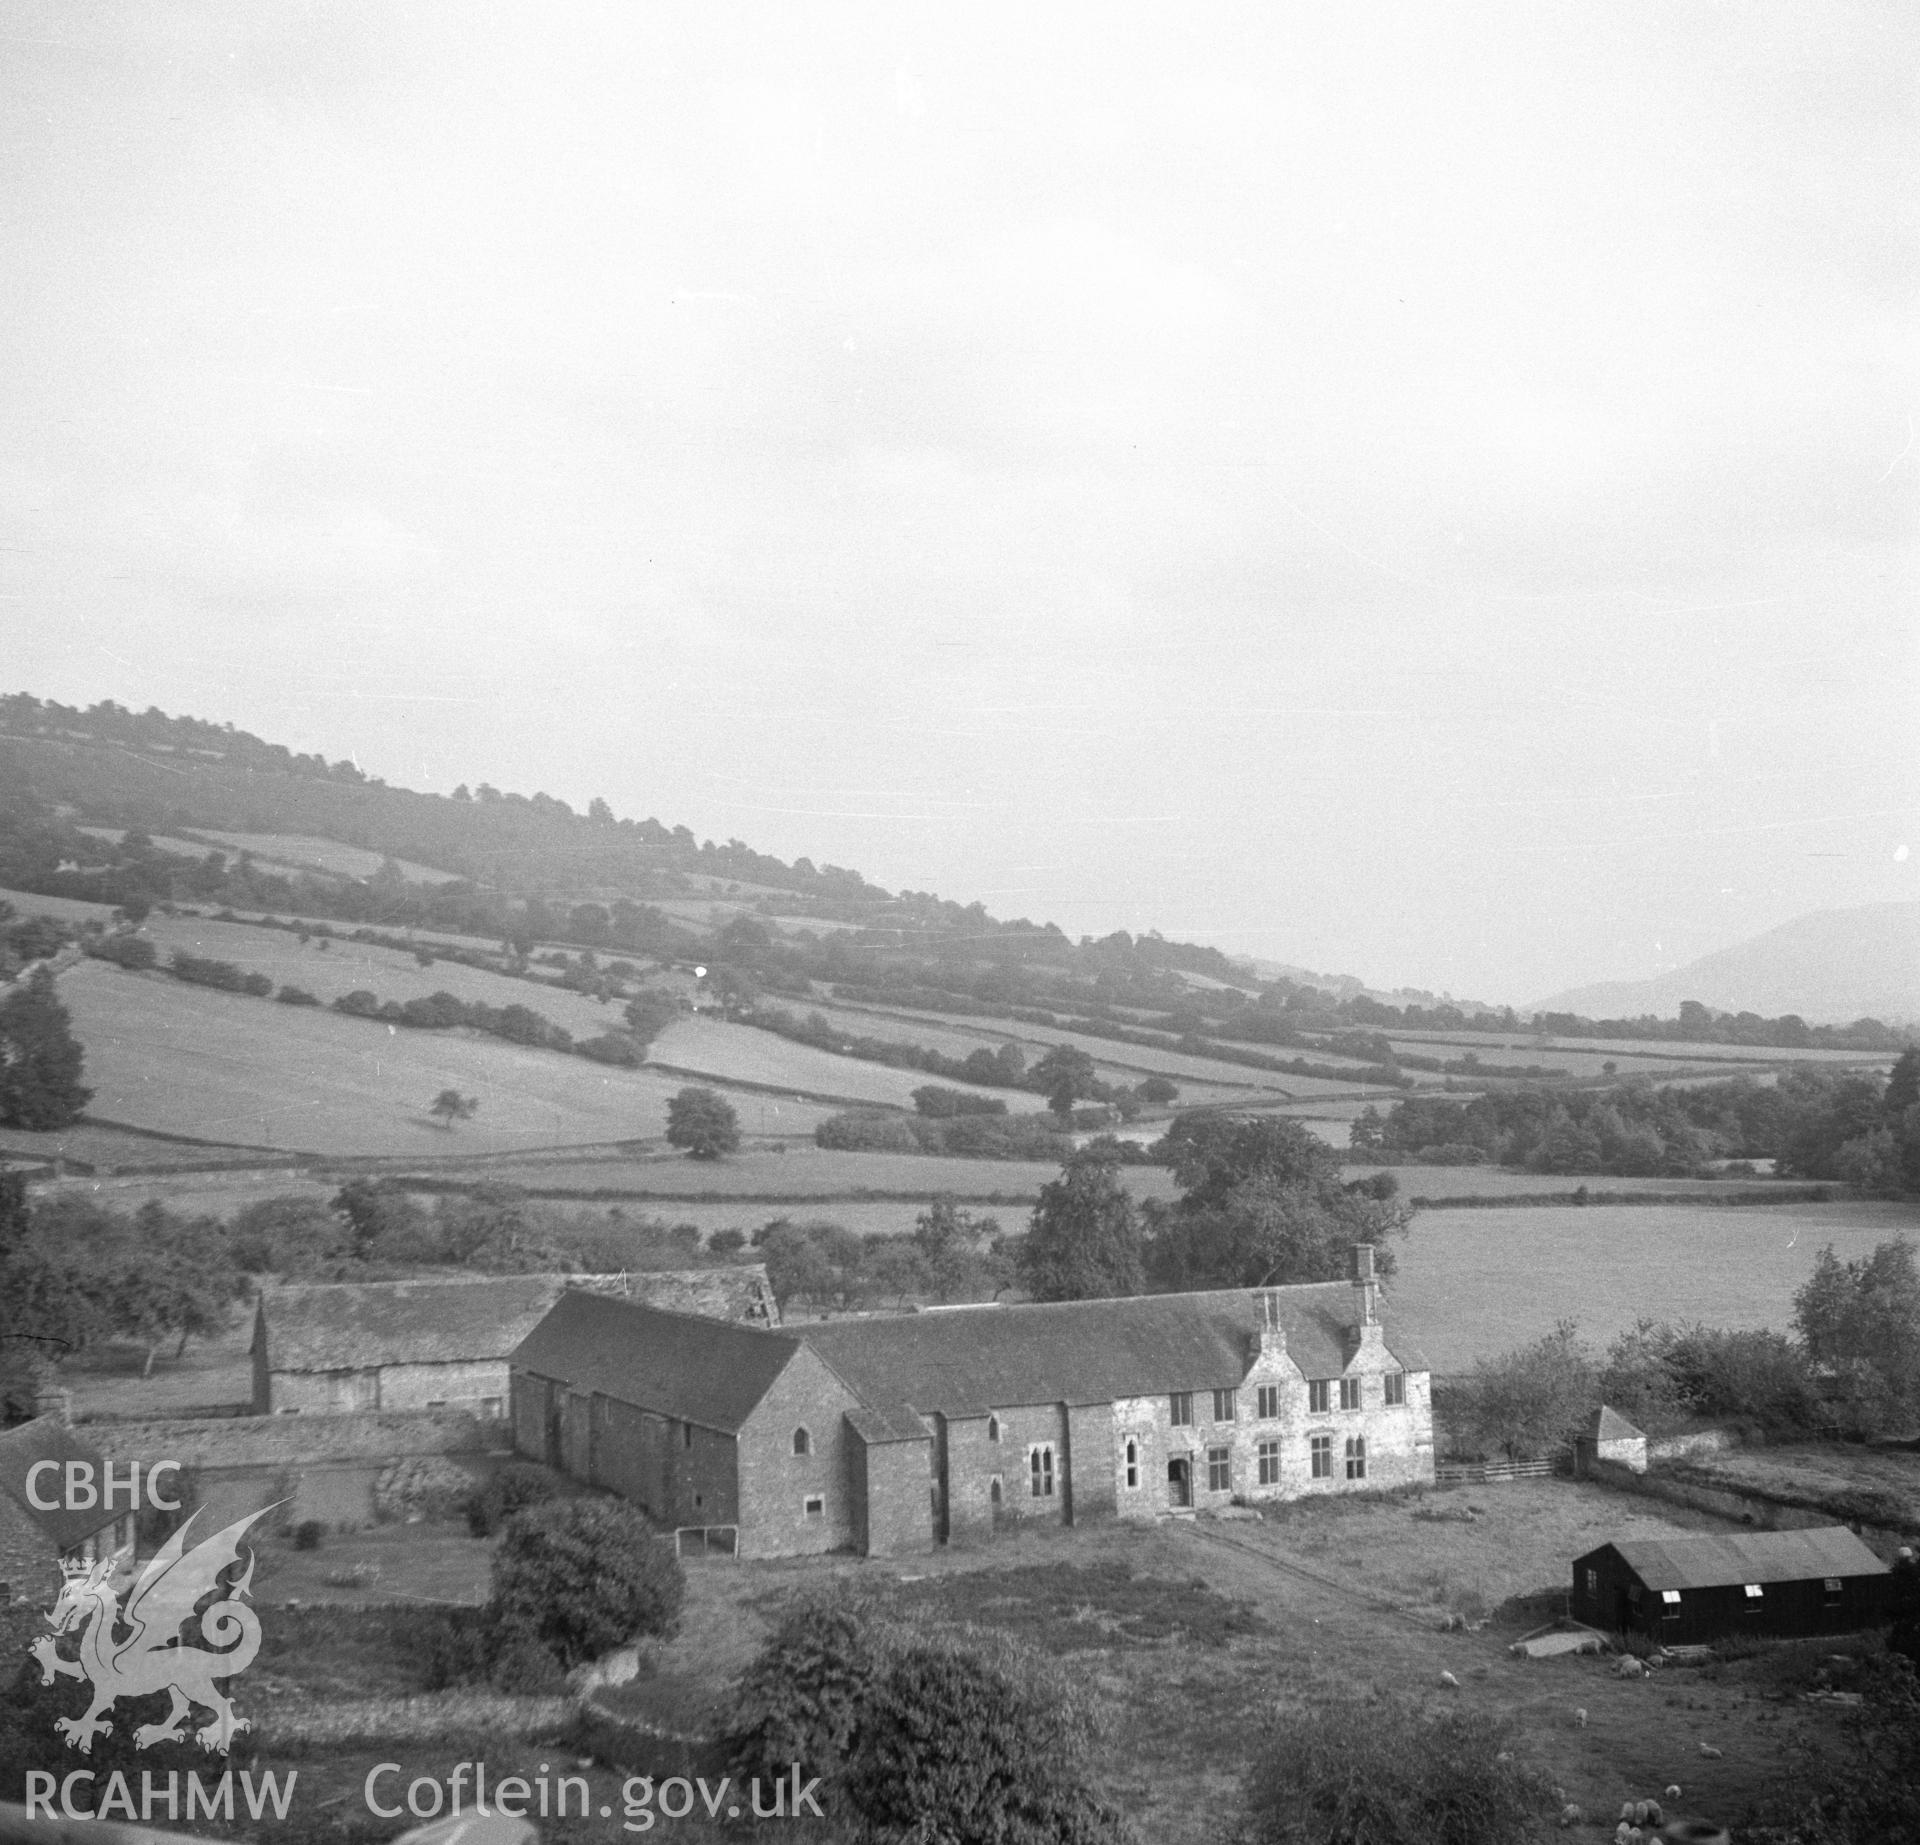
x: 1862, y: 1320
x: 703, y: 1123
x: 1527, y: 1402
x: 40, y: 1060
x: 1083, y: 1240
x: 451, y: 1106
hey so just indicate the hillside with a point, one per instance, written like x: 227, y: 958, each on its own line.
x: 1830, y: 967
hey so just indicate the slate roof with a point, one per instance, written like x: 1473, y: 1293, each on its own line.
x: 888, y: 1422
x: 1609, y: 1425
x: 709, y: 1372
x: 968, y: 1362
x: 1754, y: 1556
x: 458, y: 1319
x: 47, y: 1438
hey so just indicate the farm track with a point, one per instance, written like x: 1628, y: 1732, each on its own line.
x: 1286, y: 1567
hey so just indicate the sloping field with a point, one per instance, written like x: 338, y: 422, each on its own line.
x: 166, y: 842
x: 1119, y: 1062
x: 738, y: 1053
x: 803, y: 1177
x: 216, y: 1066
x: 68, y: 909
x: 1579, y: 1063
x: 1490, y: 1043
x: 306, y: 853
x: 343, y: 966
x: 1473, y: 1284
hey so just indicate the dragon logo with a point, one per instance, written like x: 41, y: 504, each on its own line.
x: 136, y: 1650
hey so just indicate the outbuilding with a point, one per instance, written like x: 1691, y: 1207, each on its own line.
x: 1686, y: 1590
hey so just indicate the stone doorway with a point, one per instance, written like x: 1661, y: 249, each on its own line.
x: 1180, y: 1481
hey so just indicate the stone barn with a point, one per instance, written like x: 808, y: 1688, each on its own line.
x: 344, y: 1347
x: 897, y: 1432
x: 1609, y: 1436
x: 1682, y: 1591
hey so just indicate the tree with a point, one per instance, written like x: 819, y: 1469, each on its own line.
x: 1527, y: 1402
x: 1158, y: 1091
x: 582, y: 1576
x: 1083, y: 1240
x: 1065, y: 1076
x: 1263, y: 1205
x: 40, y: 1061
x: 451, y: 1106
x: 703, y: 1123
x: 951, y: 1243
x: 1861, y: 1320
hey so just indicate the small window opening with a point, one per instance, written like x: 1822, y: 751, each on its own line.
x: 1133, y: 1464
x: 1040, y: 1472
x: 993, y: 1428
x: 802, y: 1442
x: 993, y: 1489
x: 815, y: 1505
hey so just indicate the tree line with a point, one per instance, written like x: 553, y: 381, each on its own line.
x: 1816, y: 1123
x: 1851, y: 1362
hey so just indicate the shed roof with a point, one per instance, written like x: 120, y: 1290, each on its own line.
x: 464, y: 1319
x: 1712, y: 1562
x: 47, y: 1438
x: 1090, y: 1351
x: 1609, y: 1425
x: 682, y: 1365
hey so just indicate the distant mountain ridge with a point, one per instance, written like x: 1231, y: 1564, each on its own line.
x: 1830, y: 967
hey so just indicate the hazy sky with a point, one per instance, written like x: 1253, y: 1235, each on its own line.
x: 1412, y: 490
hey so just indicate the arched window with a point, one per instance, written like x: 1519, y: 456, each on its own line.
x: 993, y: 1489
x: 993, y: 1428
x: 802, y: 1442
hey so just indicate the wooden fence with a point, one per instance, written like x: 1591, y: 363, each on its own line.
x: 1479, y: 1473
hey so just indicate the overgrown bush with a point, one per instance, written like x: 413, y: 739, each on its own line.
x: 517, y: 1485
x: 296, y: 996
x: 581, y: 1576
x: 940, y: 1737
x: 421, y: 1486
x: 1378, y: 1769
x: 133, y: 952
x: 308, y: 1533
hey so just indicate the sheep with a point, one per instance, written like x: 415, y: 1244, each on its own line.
x: 1447, y: 1678
x: 1580, y: 1717
x: 1709, y: 1752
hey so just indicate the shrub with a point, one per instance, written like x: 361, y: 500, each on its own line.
x: 516, y: 1486
x: 938, y: 1103
x: 133, y: 952
x: 800, y: 1699
x: 452, y: 1646
x: 582, y: 1575
x: 867, y: 1131
x: 726, y: 1242
x: 953, y: 1746
x: 296, y: 996
x: 523, y: 1668
x: 308, y: 1533
x: 917, y: 1736
x: 1381, y: 1770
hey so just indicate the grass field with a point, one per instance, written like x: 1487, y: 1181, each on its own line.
x: 1820, y: 1470
x: 68, y: 909
x: 1189, y: 1633
x: 304, y: 853
x: 1518, y: 1047
x: 739, y: 1053
x: 187, y: 1060
x: 391, y: 973
x: 1474, y: 1283
x: 1502, y: 1182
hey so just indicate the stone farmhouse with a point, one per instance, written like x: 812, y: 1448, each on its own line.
x: 895, y: 1433
x: 345, y: 1347
x: 34, y: 1536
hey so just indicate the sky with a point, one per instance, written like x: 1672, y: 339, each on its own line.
x: 1419, y: 491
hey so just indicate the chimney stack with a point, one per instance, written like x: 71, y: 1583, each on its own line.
x: 1268, y: 1334
x: 1366, y: 1288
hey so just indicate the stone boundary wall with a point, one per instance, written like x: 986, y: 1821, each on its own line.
x: 1743, y: 1505
x: 1698, y: 1441
x: 283, y: 1441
